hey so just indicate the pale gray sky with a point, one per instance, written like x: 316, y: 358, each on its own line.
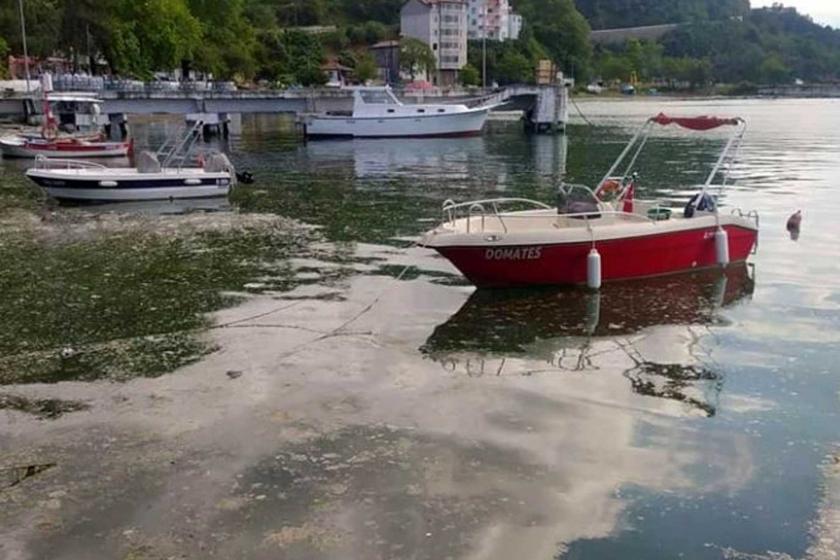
x: 826, y: 12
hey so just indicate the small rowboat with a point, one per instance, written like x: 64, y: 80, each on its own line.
x: 20, y: 146
x: 601, y: 235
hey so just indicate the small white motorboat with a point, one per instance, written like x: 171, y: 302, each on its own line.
x: 157, y: 176
x: 72, y: 128
x: 377, y: 113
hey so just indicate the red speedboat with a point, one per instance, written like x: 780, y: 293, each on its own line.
x: 599, y: 235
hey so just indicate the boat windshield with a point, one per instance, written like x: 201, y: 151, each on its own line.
x: 62, y: 106
x: 576, y: 199
x: 380, y: 97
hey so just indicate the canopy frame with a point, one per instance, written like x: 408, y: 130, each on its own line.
x: 724, y: 162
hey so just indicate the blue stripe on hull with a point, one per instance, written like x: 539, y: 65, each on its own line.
x: 126, y: 184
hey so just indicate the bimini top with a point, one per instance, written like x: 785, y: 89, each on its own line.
x: 696, y: 123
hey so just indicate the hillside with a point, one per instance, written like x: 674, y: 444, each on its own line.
x: 768, y: 45
x: 608, y: 14
x: 255, y: 40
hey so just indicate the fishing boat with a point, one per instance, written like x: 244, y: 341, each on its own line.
x: 164, y: 175
x: 603, y: 234
x: 377, y: 113
x: 72, y: 127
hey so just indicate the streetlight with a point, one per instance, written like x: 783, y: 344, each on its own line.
x: 25, y: 50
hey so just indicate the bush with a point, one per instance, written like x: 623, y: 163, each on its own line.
x: 470, y: 76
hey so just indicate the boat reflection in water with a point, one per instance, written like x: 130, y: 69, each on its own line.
x: 651, y: 330
x: 162, y: 207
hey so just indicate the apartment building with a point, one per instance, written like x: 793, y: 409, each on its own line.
x: 492, y: 19
x: 441, y: 24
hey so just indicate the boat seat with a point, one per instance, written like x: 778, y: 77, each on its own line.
x: 217, y: 163
x: 585, y: 210
x: 147, y: 162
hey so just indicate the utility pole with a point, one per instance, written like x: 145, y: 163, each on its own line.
x: 25, y: 50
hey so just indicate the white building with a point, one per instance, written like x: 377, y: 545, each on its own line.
x: 493, y: 19
x: 514, y: 26
x: 441, y: 24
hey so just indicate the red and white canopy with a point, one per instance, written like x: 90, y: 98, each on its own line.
x: 696, y: 123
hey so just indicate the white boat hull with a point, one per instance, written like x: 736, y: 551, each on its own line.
x: 114, y: 185
x: 466, y: 123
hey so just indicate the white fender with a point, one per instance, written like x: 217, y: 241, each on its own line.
x: 722, y: 246
x: 593, y: 269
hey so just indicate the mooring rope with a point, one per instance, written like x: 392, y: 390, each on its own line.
x: 587, y: 121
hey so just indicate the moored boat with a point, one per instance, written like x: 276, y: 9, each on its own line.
x: 158, y: 176
x: 90, y: 182
x: 21, y: 146
x: 377, y: 113
x: 598, y: 235
x: 72, y: 128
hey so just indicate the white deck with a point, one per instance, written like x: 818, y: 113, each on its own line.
x: 547, y: 227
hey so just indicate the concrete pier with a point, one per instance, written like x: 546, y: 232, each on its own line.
x: 545, y: 107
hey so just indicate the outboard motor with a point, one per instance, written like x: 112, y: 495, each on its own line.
x: 218, y: 162
x: 703, y: 202
x: 245, y: 177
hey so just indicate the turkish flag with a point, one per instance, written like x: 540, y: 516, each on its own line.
x: 628, y: 197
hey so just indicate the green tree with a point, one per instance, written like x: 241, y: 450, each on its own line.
x: 4, y: 52
x: 228, y: 41
x: 290, y: 57
x: 514, y: 68
x: 774, y: 71
x: 416, y: 56
x: 615, y: 67
x: 292, y: 13
x: 384, y: 11
x: 563, y: 31
x: 365, y: 68
x: 526, y: 46
x: 470, y: 76
x: 606, y: 14
x: 43, y: 26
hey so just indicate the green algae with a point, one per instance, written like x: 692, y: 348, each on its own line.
x: 129, y: 303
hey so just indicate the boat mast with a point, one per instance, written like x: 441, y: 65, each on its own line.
x: 25, y: 49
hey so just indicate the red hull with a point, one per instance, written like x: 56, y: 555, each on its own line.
x: 66, y: 147
x: 636, y: 257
